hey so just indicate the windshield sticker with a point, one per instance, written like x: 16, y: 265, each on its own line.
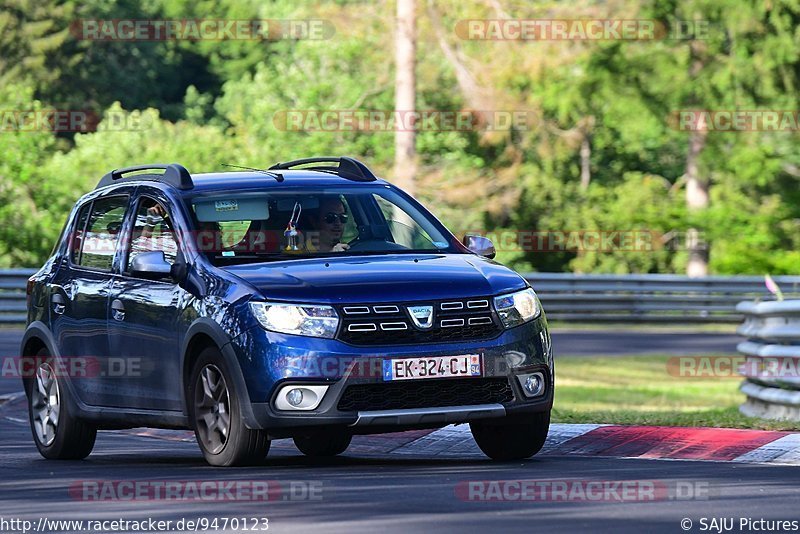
x: 228, y: 253
x: 440, y: 244
x: 226, y: 205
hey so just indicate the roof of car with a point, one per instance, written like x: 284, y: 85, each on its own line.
x: 222, y: 181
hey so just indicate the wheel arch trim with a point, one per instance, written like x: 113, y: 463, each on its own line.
x: 207, y: 327
x: 40, y: 331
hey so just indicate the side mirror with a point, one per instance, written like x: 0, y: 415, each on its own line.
x: 151, y: 265
x: 482, y: 246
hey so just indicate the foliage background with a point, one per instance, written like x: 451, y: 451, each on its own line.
x: 203, y: 103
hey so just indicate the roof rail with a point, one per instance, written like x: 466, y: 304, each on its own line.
x: 174, y: 174
x: 349, y: 168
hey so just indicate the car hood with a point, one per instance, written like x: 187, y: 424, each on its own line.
x: 399, y: 277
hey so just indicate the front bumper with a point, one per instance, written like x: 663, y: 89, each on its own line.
x: 270, y: 361
x: 288, y: 424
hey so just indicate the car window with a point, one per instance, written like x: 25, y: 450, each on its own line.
x: 152, y: 231
x: 403, y: 228
x: 235, y: 227
x: 232, y: 232
x: 99, y: 244
x: 78, y: 234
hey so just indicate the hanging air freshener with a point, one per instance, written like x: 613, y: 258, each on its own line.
x: 291, y: 228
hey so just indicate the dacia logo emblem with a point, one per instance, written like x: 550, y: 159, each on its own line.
x: 422, y: 316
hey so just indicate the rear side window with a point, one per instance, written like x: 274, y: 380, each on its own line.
x: 77, y: 238
x: 99, y: 244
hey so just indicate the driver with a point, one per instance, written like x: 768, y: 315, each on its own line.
x: 328, y: 223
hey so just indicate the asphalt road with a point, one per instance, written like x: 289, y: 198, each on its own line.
x: 367, y: 492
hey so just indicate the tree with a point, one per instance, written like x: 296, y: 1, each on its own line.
x: 32, y: 36
x: 27, y: 224
x: 405, y: 153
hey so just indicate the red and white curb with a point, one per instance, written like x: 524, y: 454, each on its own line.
x: 617, y: 441
x: 647, y: 442
x: 785, y: 450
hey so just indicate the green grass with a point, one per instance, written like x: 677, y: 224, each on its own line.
x: 638, y: 390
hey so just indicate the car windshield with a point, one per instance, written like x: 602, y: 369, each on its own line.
x: 238, y: 227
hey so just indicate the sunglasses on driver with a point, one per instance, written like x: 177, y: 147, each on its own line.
x: 331, y: 217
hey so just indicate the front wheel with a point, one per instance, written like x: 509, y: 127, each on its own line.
x: 58, y: 434
x: 512, y: 440
x: 217, y: 416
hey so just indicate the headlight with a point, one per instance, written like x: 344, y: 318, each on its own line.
x: 299, y: 319
x: 517, y: 308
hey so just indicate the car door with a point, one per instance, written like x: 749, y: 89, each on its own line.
x: 78, y: 295
x: 143, y: 314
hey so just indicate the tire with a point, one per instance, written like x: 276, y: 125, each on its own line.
x: 323, y: 443
x: 216, y: 415
x: 57, y: 432
x: 512, y: 440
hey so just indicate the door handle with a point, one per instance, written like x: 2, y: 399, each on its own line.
x: 118, y: 310
x: 58, y: 303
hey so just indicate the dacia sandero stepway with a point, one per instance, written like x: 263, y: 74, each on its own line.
x: 310, y: 301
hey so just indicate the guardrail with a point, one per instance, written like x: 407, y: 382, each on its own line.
x: 772, y: 351
x: 575, y: 298
x: 13, y: 307
x: 661, y: 298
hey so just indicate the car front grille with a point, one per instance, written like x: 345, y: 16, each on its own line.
x: 425, y: 394
x: 392, y: 324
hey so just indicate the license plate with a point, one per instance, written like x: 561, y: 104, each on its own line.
x: 432, y: 367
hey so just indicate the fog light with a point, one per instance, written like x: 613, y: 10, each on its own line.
x: 532, y: 384
x: 295, y: 397
x: 299, y: 397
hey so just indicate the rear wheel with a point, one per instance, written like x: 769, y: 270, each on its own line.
x: 58, y: 434
x: 512, y: 440
x: 323, y: 443
x: 217, y: 416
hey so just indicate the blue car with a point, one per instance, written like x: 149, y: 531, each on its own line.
x: 310, y: 301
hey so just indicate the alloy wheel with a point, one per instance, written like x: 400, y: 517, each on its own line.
x: 212, y: 409
x: 45, y: 404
